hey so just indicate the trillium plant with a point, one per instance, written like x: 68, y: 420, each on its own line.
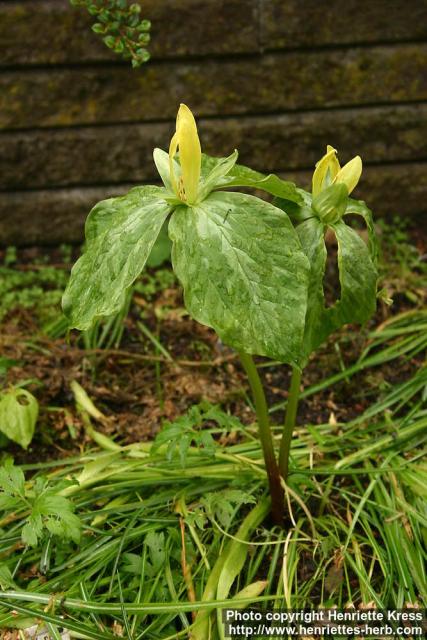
x: 251, y: 270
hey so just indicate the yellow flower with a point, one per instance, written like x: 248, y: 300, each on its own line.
x: 328, y: 171
x: 186, y: 139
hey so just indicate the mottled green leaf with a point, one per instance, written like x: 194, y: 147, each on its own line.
x: 220, y: 173
x: 244, y: 273
x: 101, y: 216
x: 100, y: 219
x: 240, y: 176
x: 311, y: 233
x: 212, y: 174
x: 297, y: 212
x: 161, y: 250
x: 121, y: 235
x: 357, y: 274
x: 358, y: 280
x: 208, y: 164
x: 18, y: 415
x: 359, y: 207
x: 217, y: 174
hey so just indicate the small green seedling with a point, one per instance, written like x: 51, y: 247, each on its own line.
x: 246, y: 271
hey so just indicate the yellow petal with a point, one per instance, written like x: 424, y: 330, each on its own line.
x: 190, y: 156
x: 350, y: 173
x: 325, y: 171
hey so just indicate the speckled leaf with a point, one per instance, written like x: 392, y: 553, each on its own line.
x: 122, y: 234
x: 161, y: 251
x: 297, y: 212
x: 244, y: 273
x: 101, y: 216
x: 218, y: 173
x: 241, y: 176
x: 358, y: 277
x: 359, y: 207
x: 311, y: 233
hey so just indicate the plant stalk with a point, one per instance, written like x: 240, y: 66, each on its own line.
x: 273, y: 473
x: 290, y: 418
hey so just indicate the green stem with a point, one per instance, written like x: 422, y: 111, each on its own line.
x: 276, y: 490
x: 291, y: 414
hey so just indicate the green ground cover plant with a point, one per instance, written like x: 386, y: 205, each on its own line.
x: 39, y: 289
